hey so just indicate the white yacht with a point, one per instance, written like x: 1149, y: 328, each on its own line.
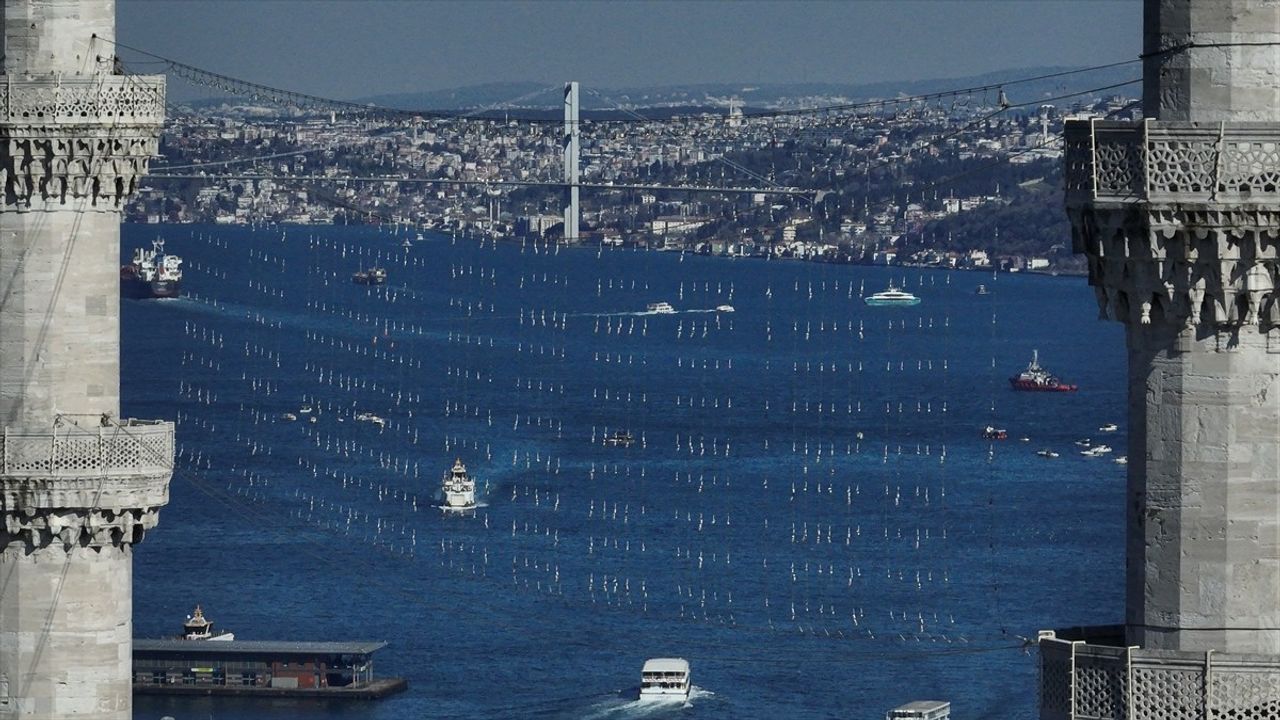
x: 1109, y: 427
x: 661, y: 308
x: 891, y: 296
x: 459, y: 488
x: 724, y: 308
x: 665, y: 678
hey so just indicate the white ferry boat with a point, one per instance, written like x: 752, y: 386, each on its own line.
x: 459, y: 488
x: 891, y: 296
x: 665, y: 678
x: 921, y: 710
x: 661, y: 308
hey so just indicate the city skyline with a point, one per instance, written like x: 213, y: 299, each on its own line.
x: 353, y: 50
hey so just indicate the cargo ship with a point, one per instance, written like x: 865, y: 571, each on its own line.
x: 151, y: 274
x: 1037, y: 379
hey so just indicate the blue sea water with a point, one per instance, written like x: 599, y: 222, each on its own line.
x: 809, y: 514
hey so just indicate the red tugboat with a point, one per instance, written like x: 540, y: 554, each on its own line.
x: 1037, y: 379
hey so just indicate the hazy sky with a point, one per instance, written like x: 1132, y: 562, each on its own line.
x: 353, y: 49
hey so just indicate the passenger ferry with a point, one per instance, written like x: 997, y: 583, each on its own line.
x: 661, y: 308
x: 921, y: 710
x: 891, y: 296
x: 665, y: 678
x: 459, y: 488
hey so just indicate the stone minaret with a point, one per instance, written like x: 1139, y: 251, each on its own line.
x: 78, y: 485
x: 1179, y: 217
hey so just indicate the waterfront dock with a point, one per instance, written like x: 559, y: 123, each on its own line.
x: 260, y: 668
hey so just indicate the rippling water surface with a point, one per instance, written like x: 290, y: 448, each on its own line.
x: 808, y: 514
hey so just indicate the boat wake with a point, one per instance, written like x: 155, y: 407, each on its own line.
x: 647, y: 708
x: 473, y: 508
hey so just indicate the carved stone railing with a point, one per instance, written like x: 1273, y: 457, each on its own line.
x: 116, y: 449
x: 77, y: 485
x: 100, y: 100
x: 1082, y: 680
x: 1166, y: 162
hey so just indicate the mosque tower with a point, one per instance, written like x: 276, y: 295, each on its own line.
x: 1179, y: 217
x: 79, y: 486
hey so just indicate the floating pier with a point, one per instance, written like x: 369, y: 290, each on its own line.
x: 260, y: 668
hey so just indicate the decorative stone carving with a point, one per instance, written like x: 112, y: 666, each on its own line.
x: 1228, y: 164
x: 77, y: 527
x: 1181, y: 227
x: 83, y: 487
x: 82, y: 143
x: 99, y: 100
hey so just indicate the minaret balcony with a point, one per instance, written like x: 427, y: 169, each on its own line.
x: 1232, y: 165
x: 127, y: 100
x: 1090, y: 674
x: 81, y: 454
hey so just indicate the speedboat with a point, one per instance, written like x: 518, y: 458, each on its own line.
x: 1047, y: 453
x: 1109, y: 427
x: 1122, y: 460
x: 619, y: 438
x: 1084, y: 442
x: 724, y: 308
x: 665, y: 678
x: 660, y: 308
x: 994, y: 433
x: 891, y: 296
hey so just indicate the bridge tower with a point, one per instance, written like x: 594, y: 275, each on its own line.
x: 572, y: 217
x: 1179, y: 218
x: 79, y: 486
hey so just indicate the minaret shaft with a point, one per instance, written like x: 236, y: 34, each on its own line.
x: 78, y: 485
